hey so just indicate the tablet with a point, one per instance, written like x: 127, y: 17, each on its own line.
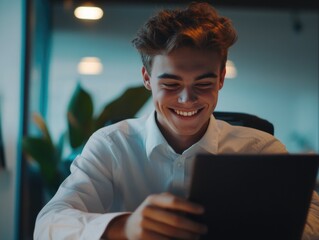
x: 254, y: 196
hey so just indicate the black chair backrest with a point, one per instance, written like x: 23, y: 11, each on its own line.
x: 246, y: 120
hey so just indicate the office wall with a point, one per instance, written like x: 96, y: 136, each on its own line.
x: 277, y: 73
x: 10, y: 87
x: 277, y: 66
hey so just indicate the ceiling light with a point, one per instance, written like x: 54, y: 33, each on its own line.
x: 88, y: 12
x: 231, y: 71
x: 90, y: 66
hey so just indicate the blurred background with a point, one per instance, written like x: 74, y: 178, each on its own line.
x: 47, y: 52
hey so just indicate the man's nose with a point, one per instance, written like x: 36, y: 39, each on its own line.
x: 187, y: 95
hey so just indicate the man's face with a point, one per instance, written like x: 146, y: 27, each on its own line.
x: 185, y: 85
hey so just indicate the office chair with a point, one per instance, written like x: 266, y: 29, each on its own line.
x: 246, y: 120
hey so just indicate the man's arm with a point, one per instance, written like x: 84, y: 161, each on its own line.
x: 78, y: 210
x: 160, y: 216
x: 311, y: 231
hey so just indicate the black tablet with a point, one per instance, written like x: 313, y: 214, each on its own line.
x: 254, y: 196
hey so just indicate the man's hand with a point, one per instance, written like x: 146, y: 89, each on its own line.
x: 161, y: 217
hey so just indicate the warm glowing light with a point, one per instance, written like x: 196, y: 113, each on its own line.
x: 90, y: 66
x: 231, y: 71
x: 88, y: 13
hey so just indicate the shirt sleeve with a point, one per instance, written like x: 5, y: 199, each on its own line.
x: 311, y: 231
x: 80, y: 208
x: 271, y: 145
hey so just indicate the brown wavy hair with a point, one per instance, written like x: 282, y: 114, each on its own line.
x: 198, y: 26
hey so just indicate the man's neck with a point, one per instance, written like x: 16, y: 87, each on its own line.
x: 180, y: 142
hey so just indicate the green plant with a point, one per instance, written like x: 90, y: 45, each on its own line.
x: 81, y: 124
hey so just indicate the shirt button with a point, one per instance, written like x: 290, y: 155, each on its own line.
x: 179, y: 165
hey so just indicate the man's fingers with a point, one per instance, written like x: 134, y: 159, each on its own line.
x: 148, y: 234
x: 169, y: 201
x: 173, y: 219
x: 167, y: 230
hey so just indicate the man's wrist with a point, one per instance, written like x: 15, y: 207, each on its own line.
x: 116, y: 228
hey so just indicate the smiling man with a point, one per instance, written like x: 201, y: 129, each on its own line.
x: 132, y: 178
x: 185, y: 85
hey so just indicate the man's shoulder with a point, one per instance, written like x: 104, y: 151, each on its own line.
x: 241, y: 131
x: 246, y: 139
x: 118, y: 139
x: 131, y: 126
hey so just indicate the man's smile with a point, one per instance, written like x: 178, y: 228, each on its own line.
x: 186, y: 113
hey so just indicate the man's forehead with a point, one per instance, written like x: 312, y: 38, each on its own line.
x: 187, y: 62
x: 190, y: 66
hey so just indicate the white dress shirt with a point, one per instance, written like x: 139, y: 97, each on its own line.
x: 124, y: 163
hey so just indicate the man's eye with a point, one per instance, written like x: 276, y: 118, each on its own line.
x: 204, y: 85
x: 170, y: 85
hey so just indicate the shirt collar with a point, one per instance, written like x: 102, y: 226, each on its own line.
x: 208, y: 143
x: 154, y: 137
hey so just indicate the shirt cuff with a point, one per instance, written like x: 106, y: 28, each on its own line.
x: 98, y: 225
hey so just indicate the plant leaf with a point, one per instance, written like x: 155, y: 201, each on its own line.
x: 125, y: 106
x: 42, y: 151
x: 60, y: 145
x: 80, y: 117
x: 39, y: 121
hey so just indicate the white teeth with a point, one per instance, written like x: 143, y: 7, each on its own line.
x: 186, y: 114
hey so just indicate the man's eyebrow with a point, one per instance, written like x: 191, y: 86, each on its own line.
x: 169, y: 76
x: 175, y: 77
x: 206, y: 75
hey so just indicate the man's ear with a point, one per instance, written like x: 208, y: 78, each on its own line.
x: 222, y: 78
x: 146, y: 79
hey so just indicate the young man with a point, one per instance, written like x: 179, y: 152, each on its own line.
x: 132, y: 178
